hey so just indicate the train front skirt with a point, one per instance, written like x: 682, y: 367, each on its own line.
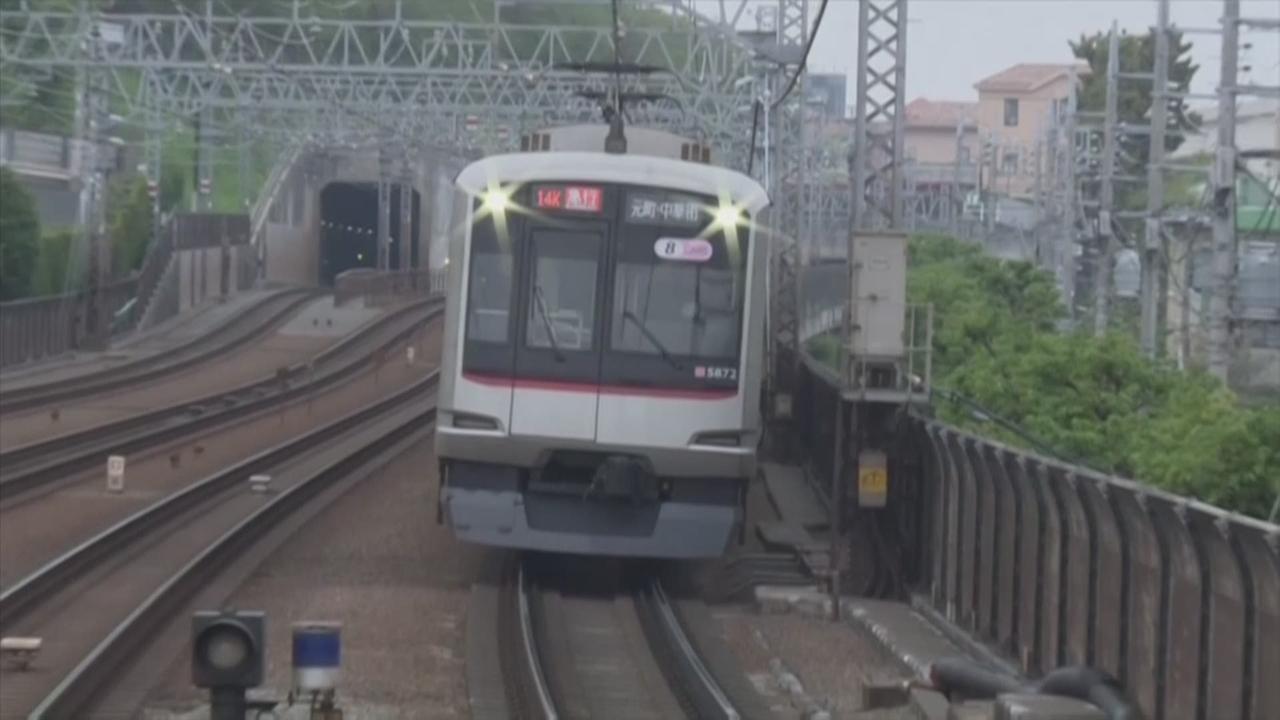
x: 486, y: 512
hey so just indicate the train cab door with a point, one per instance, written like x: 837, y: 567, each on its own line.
x: 557, y: 358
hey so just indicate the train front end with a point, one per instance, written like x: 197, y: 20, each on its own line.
x: 604, y: 353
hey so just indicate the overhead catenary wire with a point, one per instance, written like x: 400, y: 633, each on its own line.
x: 804, y: 59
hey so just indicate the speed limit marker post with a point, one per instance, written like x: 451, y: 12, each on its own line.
x: 115, y: 473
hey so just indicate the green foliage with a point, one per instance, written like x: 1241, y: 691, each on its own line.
x: 1203, y: 444
x: 1096, y: 401
x: 56, y: 270
x: 1137, y: 54
x: 825, y: 349
x: 19, y: 237
x: 130, y: 224
x: 976, y: 298
x: 38, y: 104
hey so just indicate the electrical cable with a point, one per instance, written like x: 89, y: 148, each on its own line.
x: 804, y: 59
x: 1038, y: 444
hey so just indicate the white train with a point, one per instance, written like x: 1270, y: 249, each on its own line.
x: 604, y: 348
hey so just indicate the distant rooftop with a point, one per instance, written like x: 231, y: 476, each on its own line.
x: 1028, y: 77
x: 926, y: 113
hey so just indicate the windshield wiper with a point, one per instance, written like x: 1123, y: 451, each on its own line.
x: 628, y: 315
x: 546, y: 320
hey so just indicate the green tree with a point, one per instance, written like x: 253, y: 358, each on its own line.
x: 19, y: 236
x: 55, y: 272
x: 1202, y: 443
x: 1090, y: 400
x: 977, y: 298
x: 1137, y: 54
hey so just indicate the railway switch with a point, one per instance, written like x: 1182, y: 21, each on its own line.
x: 227, y: 657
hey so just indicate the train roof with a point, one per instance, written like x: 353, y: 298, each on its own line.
x: 599, y: 167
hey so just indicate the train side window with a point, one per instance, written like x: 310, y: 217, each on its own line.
x: 490, y: 286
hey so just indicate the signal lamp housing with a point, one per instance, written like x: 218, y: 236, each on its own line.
x: 227, y: 649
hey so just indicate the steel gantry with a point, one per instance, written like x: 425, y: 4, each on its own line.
x: 307, y: 81
x: 792, y: 37
x: 417, y: 76
x: 878, y: 129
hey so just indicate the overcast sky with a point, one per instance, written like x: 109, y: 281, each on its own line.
x: 951, y: 44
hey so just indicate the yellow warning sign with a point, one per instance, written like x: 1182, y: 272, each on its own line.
x: 873, y: 486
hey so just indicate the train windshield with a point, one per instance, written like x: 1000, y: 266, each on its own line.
x: 611, y: 284
x: 676, y: 293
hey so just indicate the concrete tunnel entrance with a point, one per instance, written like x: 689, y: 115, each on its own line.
x: 349, y: 228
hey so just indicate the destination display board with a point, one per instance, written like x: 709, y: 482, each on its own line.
x: 657, y: 207
x: 574, y: 198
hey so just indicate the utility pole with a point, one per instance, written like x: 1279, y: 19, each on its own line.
x: 204, y: 161
x: 1072, y: 206
x: 957, y: 199
x: 1038, y: 197
x: 1104, y: 270
x: 93, y: 195
x: 790, y: 29
x: 242, y: 162
x: 382, y: 255
x: 1152, y: 257
x: 407, y: 239
x: 992, y: 203
x: 876, y: 177
x: 154, y: 149
x: 1224, y: 200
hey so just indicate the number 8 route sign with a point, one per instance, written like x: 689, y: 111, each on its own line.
x: 683, y: 250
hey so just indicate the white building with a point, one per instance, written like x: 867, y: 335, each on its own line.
x: 1257, y: 128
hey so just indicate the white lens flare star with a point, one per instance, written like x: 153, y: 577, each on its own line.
x: 496, y: 200
x: 728, y: 215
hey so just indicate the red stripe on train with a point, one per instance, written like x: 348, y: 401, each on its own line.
x: 588, y: 387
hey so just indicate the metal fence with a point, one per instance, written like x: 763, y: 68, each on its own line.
x: 1051, y: 564
x: 377, y: 288
x: 1054, y: 564
x: 207, y: 229
x: 41, y: 327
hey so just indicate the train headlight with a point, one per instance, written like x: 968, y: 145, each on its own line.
x: 728, y: 215
x: 496, y: 200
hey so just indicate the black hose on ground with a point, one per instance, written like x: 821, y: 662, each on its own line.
x: 1092, y: 686
x: 967, y: 679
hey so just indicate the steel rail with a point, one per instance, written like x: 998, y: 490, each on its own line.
x: 536, y: 677
x: 690, y: 676
x: 73, y: 696
x: 694, y: 686
x: 154, y: 366
x: 79, y: 451
x: 27, y: 593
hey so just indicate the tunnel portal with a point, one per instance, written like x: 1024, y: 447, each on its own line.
x: 349, y: 228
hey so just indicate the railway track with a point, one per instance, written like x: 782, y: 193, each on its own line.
x: 592, y: 651
x: 100, y: 605
x: 29, y: 469
x: 227, y: 337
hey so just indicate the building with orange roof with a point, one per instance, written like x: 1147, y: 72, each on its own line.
x: 1015, y: 108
